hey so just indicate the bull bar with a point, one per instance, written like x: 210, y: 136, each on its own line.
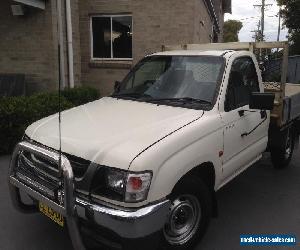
x: 134, y: 223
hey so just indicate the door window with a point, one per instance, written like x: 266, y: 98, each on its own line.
x: 243, y: 80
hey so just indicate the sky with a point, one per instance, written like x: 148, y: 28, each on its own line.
x: 244, y: 11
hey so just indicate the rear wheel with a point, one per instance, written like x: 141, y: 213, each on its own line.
x: 281, y: 156
x: 189, y: 214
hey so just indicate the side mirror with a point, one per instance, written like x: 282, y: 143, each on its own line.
x: 262, y: 101
x: 117, y: 86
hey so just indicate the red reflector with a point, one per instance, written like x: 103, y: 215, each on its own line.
x: 135, y: 183
x: 221, y: 153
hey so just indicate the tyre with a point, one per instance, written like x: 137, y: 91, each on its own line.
x: 281, y: 156
x: 189, y: 216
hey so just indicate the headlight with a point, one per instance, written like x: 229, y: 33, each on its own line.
x: 122, y: 185
x: 116, y: 180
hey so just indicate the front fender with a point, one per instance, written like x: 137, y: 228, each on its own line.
x: 179, y: 153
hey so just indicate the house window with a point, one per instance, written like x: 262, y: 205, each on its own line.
x: 111, y: 37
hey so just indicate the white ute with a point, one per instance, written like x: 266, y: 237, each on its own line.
x: 145, y: 162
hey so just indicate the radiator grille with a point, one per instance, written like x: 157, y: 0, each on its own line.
x: 40, y: 174
x: 45, y: 175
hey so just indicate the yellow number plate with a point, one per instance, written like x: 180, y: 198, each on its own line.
x: 53, y: 215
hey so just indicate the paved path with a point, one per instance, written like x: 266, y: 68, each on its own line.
x: 261, y: 200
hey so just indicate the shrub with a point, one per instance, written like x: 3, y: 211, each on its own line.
x: 45, y: 104
x: 81, y: 95
x: 17, y: 113
x: 13, y: 114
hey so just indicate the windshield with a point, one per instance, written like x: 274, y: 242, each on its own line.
x: 168, y: 78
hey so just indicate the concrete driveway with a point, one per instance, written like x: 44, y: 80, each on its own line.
x: 261, y: 200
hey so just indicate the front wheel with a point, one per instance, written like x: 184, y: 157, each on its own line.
x: 281, y: 156
x: 189, y: 214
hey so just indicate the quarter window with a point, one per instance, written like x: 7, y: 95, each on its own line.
x: 111, y: 37
x: 243, y: 80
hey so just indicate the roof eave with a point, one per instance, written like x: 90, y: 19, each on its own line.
x: 227, y: 6
x: 40, y: 4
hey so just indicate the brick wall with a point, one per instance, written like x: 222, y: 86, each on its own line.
x: 26, y: 46
x: 203, y: 23
x: 99, y: 75
x: 155, y: 23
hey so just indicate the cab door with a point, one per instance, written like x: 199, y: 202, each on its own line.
x: 243, y: 142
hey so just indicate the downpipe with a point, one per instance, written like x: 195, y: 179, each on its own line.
x: 70, y: 43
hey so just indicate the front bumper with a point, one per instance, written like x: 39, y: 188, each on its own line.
x: 127, y: 223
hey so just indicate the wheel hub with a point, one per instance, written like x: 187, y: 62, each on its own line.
x: 183, y: 220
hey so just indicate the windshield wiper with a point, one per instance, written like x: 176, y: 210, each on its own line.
x: 131, y: 95
x: 180, y: 99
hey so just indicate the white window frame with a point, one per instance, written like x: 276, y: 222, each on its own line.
x: 92, y: 38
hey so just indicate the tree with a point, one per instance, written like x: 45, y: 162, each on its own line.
x: 231, y: 30
x: 291, y: 16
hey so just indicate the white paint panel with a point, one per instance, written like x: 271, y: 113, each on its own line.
x: 109, y: 131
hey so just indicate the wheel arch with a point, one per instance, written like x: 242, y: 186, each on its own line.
x: 206, y: 172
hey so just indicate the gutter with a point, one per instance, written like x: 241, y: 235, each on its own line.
x: 212, y: 13
x: 60, y: 45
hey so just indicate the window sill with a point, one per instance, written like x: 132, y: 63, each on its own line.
x: 111, y: 64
